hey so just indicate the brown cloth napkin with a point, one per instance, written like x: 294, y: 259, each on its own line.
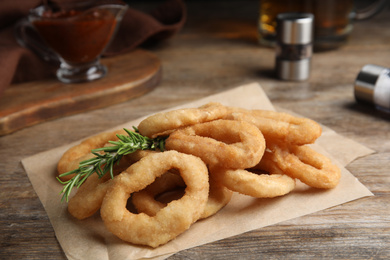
x: 18, y: 64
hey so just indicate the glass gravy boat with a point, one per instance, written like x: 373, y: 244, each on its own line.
x: 75, y: 34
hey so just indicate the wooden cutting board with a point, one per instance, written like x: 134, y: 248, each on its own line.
x: 129, y: 76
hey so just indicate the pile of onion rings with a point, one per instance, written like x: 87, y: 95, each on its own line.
x: 211, y: 152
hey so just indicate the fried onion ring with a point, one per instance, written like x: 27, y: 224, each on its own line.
x: 145, y: 201
x: 279, y: 126
x: 165, y: 122
x: 219, y: 197
x: 303, y: 163
x: 89, y: 197
x: 73, y: 156
x: 227, y: 143
x: 253, y: 184
x: 170, y: 221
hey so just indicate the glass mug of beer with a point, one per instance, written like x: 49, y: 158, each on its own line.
x: 332, y: 19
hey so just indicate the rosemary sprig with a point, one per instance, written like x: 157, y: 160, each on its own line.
x: 107, y: 157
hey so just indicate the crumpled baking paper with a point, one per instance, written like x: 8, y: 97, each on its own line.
x: 88, y: 239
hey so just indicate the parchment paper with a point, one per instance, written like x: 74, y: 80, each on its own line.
x: 88, y: 239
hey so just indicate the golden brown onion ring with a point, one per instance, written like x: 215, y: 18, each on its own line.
x: 226, y: 143
x: 89, y: 196
x: 73, y: 156
x: 303, y: 163
x: 170, y: 221
x: 254, y: 184
x: 145, y: 201
x: 279, y: 126
x: 165, y: 122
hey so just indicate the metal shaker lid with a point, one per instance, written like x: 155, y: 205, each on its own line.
x: 372, y: 85
x: 365, y: 82
x: 294, y: 28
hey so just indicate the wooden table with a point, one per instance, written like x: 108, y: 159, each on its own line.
x: 217, y: 50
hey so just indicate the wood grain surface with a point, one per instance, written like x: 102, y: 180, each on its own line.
x: 129, y: 76
x: 217, y: 50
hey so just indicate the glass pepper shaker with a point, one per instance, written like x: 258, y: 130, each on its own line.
x: 294, y: 45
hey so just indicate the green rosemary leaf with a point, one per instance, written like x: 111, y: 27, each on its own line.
x: 107, y: 157
x: 69, y: 173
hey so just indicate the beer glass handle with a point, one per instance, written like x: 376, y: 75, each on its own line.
x: 371, y: 10
x: 27, y: 37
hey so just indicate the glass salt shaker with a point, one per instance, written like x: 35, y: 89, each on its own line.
x: 294, y: 46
